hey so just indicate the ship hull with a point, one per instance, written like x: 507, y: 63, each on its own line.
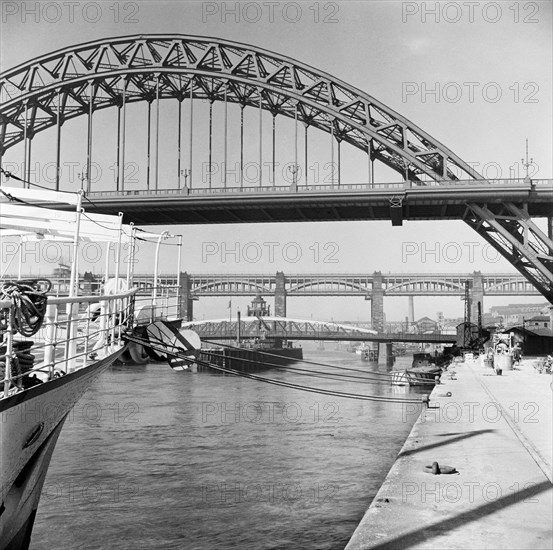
x: 30, y: 424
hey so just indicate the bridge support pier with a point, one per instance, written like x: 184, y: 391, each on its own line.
x: 377, y: 303
x: 411, y: 317
x: 476, y: 295
x: 280, y: 295
x: 385, y: 353
x: 186, y: 301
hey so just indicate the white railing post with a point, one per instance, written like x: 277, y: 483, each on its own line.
x: 50, y: 338
x: 166, y: 303
x: 179, y: 267
x: 103, y: 340
x: 9, y: 351
x: 112, y: 315
x: 163, y: 235
x: 71, y: 345
x: 87, y: 332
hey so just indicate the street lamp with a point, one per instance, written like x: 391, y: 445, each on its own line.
x: 185, y: 173
x: 405, y: 164
x: 294, y: 169
x: 528, y: 163
x: 84, y: 176
x: 524, y: 334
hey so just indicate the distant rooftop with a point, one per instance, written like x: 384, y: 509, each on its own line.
x: 539, y: 318
x: 512, y: 309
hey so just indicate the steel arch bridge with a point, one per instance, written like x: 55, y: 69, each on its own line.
x: 70, y: 82
x: 81, y: 80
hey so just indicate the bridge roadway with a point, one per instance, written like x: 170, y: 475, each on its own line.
x: 293, y: 329
x: 409, y: 200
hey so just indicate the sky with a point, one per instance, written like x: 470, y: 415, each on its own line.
x: 475, y: 76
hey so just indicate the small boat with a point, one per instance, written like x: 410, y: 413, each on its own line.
x: 424, y: 371
x: 362, y: 350
x: 417, y: 376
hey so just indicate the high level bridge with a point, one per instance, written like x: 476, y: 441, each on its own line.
x: 370, y: 286
x: 255, y: 89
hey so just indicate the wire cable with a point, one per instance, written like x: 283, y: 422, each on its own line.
x: 310, y: 389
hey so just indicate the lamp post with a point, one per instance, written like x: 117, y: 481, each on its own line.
x: 294, y: 171
x: 185, y: 173
x: 405, y: 164
x: 528, y: 163
x: 84, y: 176
x: 524, y: 334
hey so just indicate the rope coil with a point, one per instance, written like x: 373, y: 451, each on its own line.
x: 29, y: 297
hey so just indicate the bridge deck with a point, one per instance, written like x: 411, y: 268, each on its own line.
x: 428, y: 201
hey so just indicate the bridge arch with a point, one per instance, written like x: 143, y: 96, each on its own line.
x: 78, y: 80
x: 325, y: 284
x: 420, y: 284
x: 226, y: 285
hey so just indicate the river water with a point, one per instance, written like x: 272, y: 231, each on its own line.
x: 153, y: 458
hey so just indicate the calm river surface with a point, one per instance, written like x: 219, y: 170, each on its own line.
x: 153, y: 458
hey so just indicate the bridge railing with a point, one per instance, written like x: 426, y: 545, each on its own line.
x: 343, y: 188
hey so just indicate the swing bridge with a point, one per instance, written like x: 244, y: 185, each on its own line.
x: 282, y: 328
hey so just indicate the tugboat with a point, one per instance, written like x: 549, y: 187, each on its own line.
x: 252, y: 354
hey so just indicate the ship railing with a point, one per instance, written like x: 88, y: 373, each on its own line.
x: 162, y: 302
x: 7, y: 320
x: 166, y: 296
x: 76, y: 331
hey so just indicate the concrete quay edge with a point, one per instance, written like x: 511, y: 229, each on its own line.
x: 497, y: 432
